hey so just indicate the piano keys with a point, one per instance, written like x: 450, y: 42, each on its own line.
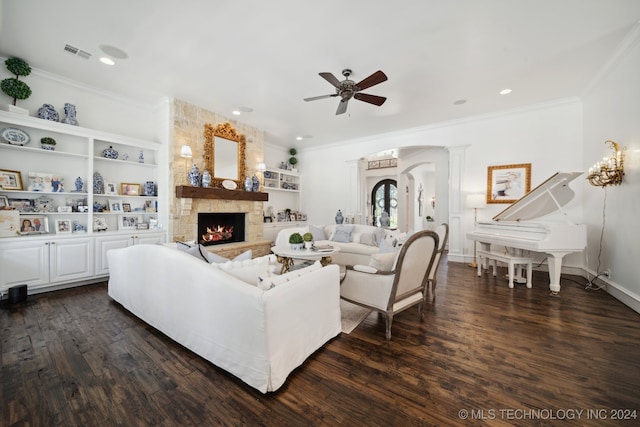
x: 513, y: 227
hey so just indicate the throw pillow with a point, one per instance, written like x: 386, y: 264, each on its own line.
x: 383, y: 261
x: 379, y: 234
x: 343, y: 233
x: 248, y: 270
x: 197, y: 251
x: 385, y: 246
x: 317, y: 233
x: 368, y: 239
x: 266, y: 283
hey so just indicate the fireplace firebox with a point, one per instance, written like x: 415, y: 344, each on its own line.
x: 218, y: 228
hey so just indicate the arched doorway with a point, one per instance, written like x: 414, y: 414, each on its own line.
x: 384, y: 197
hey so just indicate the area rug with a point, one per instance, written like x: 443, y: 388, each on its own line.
x: 352, y: 315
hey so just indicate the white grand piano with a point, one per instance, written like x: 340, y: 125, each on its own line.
x: 515, y: 227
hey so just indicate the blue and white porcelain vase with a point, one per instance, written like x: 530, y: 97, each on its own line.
x: 98, y: 183
x: 149, y: 188
x: 206, y: 179
x: 339, y: 217
x: 47, y: 112
x: 255, y: 184
x: 248, y: 184
x: 79, y: 185
x: 384, y: 219
x: 194, y: 176
x: 70, y: 115
x: 141, y: 157
x: 109, y: 153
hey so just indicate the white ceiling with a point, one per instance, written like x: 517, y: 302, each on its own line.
x: 266, y: 55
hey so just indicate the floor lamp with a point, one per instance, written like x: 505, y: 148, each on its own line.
x: 475, y: 202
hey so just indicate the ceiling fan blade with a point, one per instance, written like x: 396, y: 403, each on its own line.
x: 371, y: 99
x: 313, y: 98
x: 331, y: 79
x: 372, y: 80
x: 342, y: 107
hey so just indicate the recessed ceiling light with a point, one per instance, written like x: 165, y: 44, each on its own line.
x: 298, y: 138
x: 505, y: 91
x: 113, y: 51
x: 459, y: 102
x: 235, y: 112
x: 107, y: 61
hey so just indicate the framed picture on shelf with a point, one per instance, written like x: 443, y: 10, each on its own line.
x: 129, y: 189
x: 128, y: 222
x: 110, y: 188
x: 126, y: 207
x: 153, y: 223
x: 142, y: 226
x: 63, y: 226
x: 33, y: 224
x: 22, y: 205
x: 4, y: 202
x: 9, y: 223
x: 10, y: 180
x: 508, y: 183
x: 115, y: 205
x: 46, y: 182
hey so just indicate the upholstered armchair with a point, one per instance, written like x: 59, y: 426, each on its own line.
x: 443, y: 236
x: 390, y: 292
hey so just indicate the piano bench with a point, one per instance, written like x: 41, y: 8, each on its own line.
x: 511, y: 260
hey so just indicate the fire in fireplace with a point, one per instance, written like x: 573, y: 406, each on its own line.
x: 217, y: 228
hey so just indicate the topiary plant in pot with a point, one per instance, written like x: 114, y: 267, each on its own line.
x: 296, y: 241
x: 48, y: 143
x: 292, y: 160
x: 308, y: 240
x: 13, y: 87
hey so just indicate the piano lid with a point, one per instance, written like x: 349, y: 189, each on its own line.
x: 547, y: 197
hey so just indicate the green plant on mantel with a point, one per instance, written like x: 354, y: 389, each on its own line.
x: 13, y: 87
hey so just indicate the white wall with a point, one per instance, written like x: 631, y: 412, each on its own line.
x: 547, y: 136
x: 612, y: 111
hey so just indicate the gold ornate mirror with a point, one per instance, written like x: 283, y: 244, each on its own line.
x: 224, y: 154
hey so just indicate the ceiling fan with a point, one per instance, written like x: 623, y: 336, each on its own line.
x: 348, y: 89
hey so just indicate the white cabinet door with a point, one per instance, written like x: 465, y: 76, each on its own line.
x: 149, y: 239
x: 70, y: 259
x: 24, y: 263
x: 104, y: 245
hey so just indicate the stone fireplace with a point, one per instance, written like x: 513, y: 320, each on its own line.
x: 218, y: 228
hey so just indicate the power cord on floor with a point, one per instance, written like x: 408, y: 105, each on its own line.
x: 590, y: 285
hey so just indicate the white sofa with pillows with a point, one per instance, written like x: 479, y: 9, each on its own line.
x: 357, y: 242
x: 234, y: 313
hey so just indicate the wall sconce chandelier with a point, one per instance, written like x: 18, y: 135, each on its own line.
x: 610, y: 170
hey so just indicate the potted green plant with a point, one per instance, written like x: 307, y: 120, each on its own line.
x: 308, y: 240
x: 292, y: 160
x: 296, y: 241
x: 13, y: 87
x: 48, y: 143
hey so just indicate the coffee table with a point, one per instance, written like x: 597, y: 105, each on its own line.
x: 286, y: 255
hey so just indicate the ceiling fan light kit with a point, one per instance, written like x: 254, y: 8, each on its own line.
x: 347, y: 89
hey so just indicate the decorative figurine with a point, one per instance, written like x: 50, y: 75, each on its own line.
x: 339, y: 217
x: 141, y: 157
x: 47, y: 112
x: 194, y: 176
x: 79, y: 185
x: 70, y: 118
x: 206, y: 179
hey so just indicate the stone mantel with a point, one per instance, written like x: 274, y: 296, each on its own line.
x: 188, y: 192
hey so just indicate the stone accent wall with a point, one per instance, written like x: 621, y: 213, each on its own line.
x: 188, y: 128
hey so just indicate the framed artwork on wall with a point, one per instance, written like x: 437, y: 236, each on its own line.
x: 508, y: 183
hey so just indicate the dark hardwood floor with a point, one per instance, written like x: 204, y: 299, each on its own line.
x: 484, y: 355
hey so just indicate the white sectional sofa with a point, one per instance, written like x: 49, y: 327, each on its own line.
x: 362, y: 242
x: 218, y: 312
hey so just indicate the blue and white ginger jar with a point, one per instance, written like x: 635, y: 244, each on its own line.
x: 109, y: 153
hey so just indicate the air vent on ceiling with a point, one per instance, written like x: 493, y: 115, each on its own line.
x: 78, y: 52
